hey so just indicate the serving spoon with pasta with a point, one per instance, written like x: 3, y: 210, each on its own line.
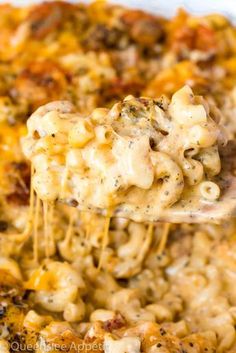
x: 144, y: 159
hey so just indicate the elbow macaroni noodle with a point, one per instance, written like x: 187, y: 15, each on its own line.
x: 57, y: 288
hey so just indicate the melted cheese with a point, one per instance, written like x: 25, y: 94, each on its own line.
x: 105, y: 239
x: 48, y: 208
x: 70, y: 229
x: 46, y: 228
x: 35, y: 231
x: 164, y: 238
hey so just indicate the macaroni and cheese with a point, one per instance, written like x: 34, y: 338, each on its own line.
x: 77, y: 281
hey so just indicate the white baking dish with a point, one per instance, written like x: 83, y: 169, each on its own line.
x: 166, y: 7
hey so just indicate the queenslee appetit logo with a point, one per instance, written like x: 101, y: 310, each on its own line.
x: 43, y: 346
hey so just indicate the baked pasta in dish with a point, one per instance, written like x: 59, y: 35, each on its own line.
x: 75, y: 281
